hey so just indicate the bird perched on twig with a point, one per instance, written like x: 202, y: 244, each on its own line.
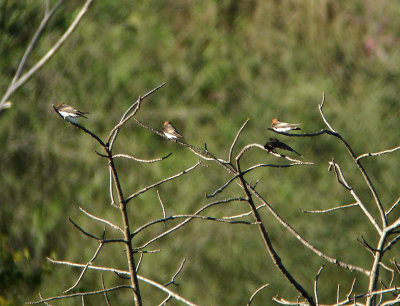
x: 70, y: 113
x: 170, y: 131
x: 283, y: 126
x: 274, y: 143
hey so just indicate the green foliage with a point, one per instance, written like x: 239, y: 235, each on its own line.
x: 224, y: 62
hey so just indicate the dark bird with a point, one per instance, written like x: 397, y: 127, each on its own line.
x: 283, y: 126
x: 70, y: 113
x: 274, y: 143
x: 170, y: 131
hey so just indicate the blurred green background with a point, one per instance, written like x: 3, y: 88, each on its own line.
x: 223, y: 62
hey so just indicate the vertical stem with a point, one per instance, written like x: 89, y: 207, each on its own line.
x: 125, y: 220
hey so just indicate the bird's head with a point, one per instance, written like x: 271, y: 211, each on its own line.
x: 166, y: 123
x: 274, y: 120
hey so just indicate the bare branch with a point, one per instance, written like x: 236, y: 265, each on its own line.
x: 15, y: 84
x: 316, y: 284
x: 162, y: 207
x: 172, y: 281
x: 393, y: 207
x: 85, y: 268
x: 101, y: 220
x: 79, y: 294
x: 330, y: 209
x: 255, y: 293
x: 94, y: 237
x: 235, y: 140
x: 142, y: 278
x: 377, y: 153
x: 104, y: 288
x: 149, y: 161
x: 161, y: 182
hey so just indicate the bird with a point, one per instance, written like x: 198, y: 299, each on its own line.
x: 274, y: 143
x: 283, y: 126
x: 170, y: 131
x: 70, y: 113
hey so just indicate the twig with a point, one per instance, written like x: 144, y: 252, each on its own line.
x: 255, y: 293
x: 316, y: 284
x: 93, y: 236
x: 149, y: 161
x: 162, y: 207
x: 78, y: 294
x: 15, y: 84
x: 235, y: 140
x: 101, y: 220
x: 104, y: 288
x: 85, y: 268
x: 172, y: 281
x: 161, y: 182
x: 142, y: 278
x: 377, y: 153
x: 329, y: 209
x: 393, y: 207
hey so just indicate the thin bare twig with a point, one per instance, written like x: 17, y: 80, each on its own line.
x: 18, y: 82
x: 235, y: 140
x: 142, y: 278
x: 316, y: 284
x: 377, y: 153
x: 172, y: 281
x: 161, y: 182
x: 162, y: 207
x: 104, y: 288
x: 329, y: 209
x: 101, y: 220
x: 93, y: 236
x: 255, y: 293
x: 85, y: 268
x: 148, y: 161
x: 393, y: 207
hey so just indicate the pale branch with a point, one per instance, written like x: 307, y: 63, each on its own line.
x: 392, y: 207
x: 172, y: 281
x: 244, y: 214
x: 94, y: 237
x: 316, y: 284
x: 101, y: 220
x: 161, y: 182
x: 148, y: 161
x: 235, y: 140
x: 162, y: 207
x: 139, y: 261
x: 86, y: 266
x: 329, y: 209
x: 164, y: 301
x: 114, y: 132
x: 127, y: 273
x: 15, y: 84
x: 255, y: 293
x: 342, y: 180
x: 377, y: 153
x: 111, y: 189
x: 285, y: 302
x: 174, y: 217
x: 79, y: 294
x: 185, y: 221
x: 104, y: 288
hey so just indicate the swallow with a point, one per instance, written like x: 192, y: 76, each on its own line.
x: 170, y: 131
x: 283, y: 126
x: 69, y: 113
x: 274, y: 143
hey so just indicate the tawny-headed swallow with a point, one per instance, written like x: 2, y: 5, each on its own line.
x: 70, y: 113
x: 283, y: 126
x: 274, y: 143
x: 170, y: 131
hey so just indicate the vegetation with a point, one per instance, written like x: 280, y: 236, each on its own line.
x: 223, y: 62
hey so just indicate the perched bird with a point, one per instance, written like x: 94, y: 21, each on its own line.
x: 274, y: 143
x: 170, y: 131
x: 69, y: 113
x: 283, y: 126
